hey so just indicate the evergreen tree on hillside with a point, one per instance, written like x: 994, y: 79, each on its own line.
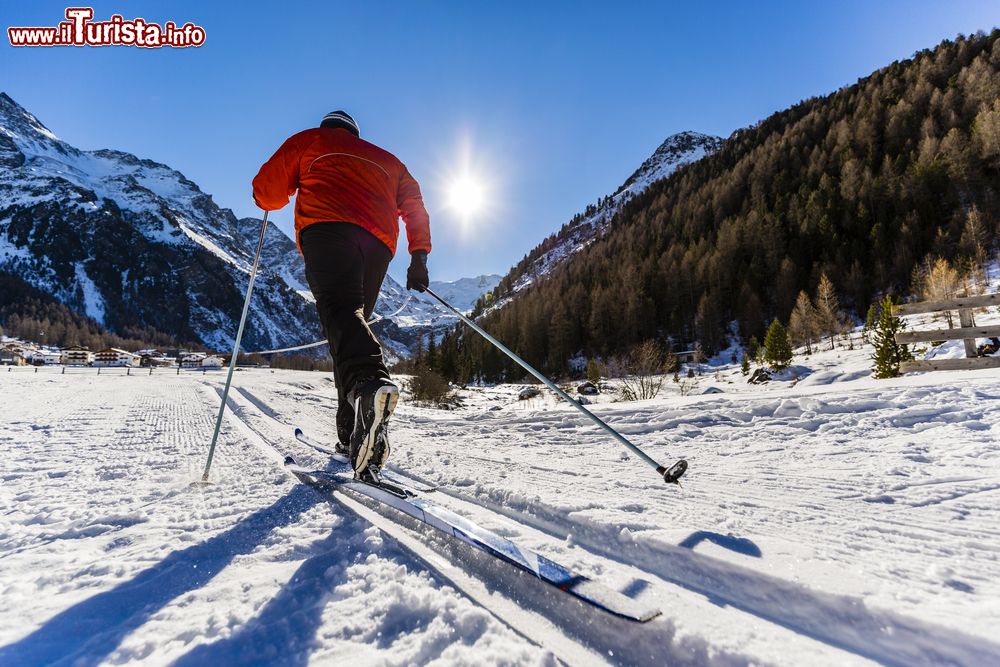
x: 871, y: 320
x: 777, y: 347
x: 754, y: 350
x: 432, y: 355
x: 888, y: 353
x: 861, y: 183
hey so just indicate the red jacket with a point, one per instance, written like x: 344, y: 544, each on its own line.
x: 341, y: 178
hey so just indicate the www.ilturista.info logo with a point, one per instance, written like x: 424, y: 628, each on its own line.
x: 81, y: 30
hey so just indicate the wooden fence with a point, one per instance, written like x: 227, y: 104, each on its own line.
x: 967, y: 332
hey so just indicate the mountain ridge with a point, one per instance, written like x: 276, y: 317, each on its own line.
x: 863, y: 185
x: 130, y: 242
x: 675, y: 152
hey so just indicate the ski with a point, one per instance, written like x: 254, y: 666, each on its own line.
x: 386, y: 475
x: 431, y: 514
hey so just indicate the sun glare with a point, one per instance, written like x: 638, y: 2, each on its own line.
x: 465, y: 196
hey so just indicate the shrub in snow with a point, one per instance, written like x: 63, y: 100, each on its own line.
x: 641, y: 370
x: 587, y: 389
x: 528, y: 393
x: 595, y: 369
x: 429, y: 386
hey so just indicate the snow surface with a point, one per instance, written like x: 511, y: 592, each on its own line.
x: 827, y: 519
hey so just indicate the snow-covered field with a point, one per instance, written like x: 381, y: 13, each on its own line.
x: 830, y: 520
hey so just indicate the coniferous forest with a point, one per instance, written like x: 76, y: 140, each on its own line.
x: 862, y: 185
x: 29, y: 313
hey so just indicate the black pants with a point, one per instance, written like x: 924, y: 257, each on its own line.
x: 345, y: 267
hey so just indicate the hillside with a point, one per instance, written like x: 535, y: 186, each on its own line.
x: 134, y: 247
x: 675, y: 152
x: 861, y: 184
x: 31, y: 314
x: 132, y: 243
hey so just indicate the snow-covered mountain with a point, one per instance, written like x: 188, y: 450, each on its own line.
x: 678, y: 150
x: 464, y: 292
x: 132, y: 243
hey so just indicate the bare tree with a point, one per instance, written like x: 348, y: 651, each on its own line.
x: 803, y: 325
x: 938, y: 281
x: 641, y: 371
x: 828, y: 315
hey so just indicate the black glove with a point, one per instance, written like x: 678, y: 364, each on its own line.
x: 416, y: 275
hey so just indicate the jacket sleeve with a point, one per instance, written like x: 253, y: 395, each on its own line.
x: 278, y: 178
x: 410, y: 203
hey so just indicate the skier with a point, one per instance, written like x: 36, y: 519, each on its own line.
x: 351, y: 195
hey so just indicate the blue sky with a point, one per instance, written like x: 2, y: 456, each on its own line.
x: 550, y: 104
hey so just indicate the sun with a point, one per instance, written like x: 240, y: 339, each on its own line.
x: 465, y: 196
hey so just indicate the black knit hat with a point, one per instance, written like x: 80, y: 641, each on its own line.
x: 341, y: 119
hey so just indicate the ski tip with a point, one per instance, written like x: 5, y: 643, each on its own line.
x: 298, y: 431
x: 289, y: 461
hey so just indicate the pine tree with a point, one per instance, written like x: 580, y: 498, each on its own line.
x: 432, y: 356
x: 753, y: 349
x: 871, y: 319
x: 828, y: 316
x: 777, y: 347
x: 418, y: 352
x: 745, y: 365
x: 803, y: 323
x: 888, y: 353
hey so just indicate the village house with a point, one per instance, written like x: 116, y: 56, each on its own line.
x: 43, y: 357
x: 112, y: 356
x: 77, y: 356
x: 11, y: 357
x: 212, y: 361
x: 192, y: 360
x: 13, y: 353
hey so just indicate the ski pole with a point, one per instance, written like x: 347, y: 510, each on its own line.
x: 236, y: 348
x: 670, y: 475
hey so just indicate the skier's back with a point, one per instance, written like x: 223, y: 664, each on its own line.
x: 351, y: 195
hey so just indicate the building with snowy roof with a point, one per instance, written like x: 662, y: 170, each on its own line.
x: 77, y: 356
x: 113, y: 356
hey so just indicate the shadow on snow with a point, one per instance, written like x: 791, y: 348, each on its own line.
x: 91, y: 630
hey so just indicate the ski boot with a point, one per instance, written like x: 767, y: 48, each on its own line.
x: 345, y: 426
x: 374, y: 401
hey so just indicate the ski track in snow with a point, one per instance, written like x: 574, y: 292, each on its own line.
x: 820, y: 523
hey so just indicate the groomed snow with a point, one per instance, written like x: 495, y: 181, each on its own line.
x: 829, y: 519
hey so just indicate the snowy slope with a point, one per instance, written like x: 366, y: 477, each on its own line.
x: 132, y: 243
x: 829, y: 519
x: 675, y: 152
x: 464, y: 292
